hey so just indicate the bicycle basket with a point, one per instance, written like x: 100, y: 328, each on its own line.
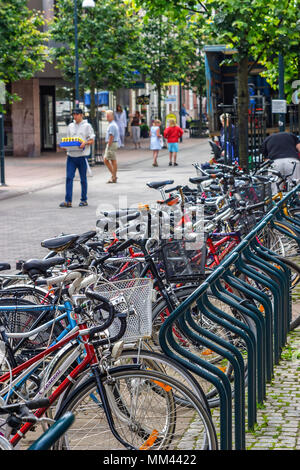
x: 184, y: 261
x: 134, y: 297
x: 257, y: 192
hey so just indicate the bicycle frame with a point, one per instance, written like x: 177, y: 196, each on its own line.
x: 44, y: 309
x: 213, y: 246
x: 90, y: 360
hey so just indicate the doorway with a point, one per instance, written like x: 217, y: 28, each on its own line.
x: 48, y: 121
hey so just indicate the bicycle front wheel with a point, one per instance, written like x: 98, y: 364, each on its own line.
x: 145, y: 412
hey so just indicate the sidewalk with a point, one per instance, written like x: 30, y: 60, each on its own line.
x: 25, y: 175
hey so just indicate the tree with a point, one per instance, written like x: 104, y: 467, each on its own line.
x: 165, y: 50
x: 22, y: 42
x: 250, y: 27
x: 107, y: 39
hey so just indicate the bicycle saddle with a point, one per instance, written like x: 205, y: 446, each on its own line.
x: 127, y: 217
x: 117, y: 214
x: 199, y: 179
x: 60, y: 243
x: 159, y: 184
x: 4, y: 266
x: 40, y: 266
x: 84, y: 237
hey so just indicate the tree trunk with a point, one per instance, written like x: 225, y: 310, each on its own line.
x: 298, y: 98
x: 159, y: 101
x: 200, y: 110
x: 243, y: 103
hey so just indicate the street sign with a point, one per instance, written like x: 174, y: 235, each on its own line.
x: 279, y: 107
x: 137, y: 85
x: 170, y: 99
x: 171, y: 84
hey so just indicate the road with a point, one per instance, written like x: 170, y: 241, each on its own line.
x: 28, y: 219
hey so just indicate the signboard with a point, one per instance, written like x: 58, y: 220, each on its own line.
x: 137, y: 85
x: 170, y: 116
x: 171, y: 84
x: 170, y: 99
x: 2, y: 93
x: 279, y: 106
x: 143, y: 99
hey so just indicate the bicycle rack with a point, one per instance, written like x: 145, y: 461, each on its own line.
x: 265, y: 302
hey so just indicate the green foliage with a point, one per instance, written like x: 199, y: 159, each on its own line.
x: 22, y: 42
x: 107, y: 38
x: 170, y: 51
x: 254, y: 28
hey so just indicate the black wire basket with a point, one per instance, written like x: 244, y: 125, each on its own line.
x: 256, y: 193
x: 184, y: 261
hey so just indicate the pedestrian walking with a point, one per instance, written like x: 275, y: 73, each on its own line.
x: 284, y: 149
x: 227, y: 138
x: 77, y: 157
x: 155, y: 140
x: 111, y: 139
x: 173, y: 134
x: 121, y: 120
x: 183, y: 114
x: 136, y: 129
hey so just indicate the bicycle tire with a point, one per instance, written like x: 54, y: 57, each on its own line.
x: 144, y: 411
x: 292, y: 249
x: 31, y: 293
x: 148, y: 358
x: 21, y: 321
x: 167, y: 366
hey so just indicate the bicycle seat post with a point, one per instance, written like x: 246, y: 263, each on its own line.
x: 163, y: 194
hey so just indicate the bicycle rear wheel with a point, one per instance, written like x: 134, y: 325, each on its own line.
x: 146, y: 416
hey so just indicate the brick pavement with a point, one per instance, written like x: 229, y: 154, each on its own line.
x: 278, y: 418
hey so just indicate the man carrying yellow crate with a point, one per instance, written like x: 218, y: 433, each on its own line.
x: 80, y: 132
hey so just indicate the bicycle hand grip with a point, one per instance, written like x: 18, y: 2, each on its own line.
x: 39, y: 403
x: 106, y: 305
x: 114, y: 339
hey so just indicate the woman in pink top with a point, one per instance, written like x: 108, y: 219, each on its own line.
x: 173, y: 134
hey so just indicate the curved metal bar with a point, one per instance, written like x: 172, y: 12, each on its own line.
x: 207, y: 371
x: 263, y: 346
x: 229, y: 352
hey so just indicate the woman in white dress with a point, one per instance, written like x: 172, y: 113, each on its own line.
x: 121, y: 120
x: 155, y: 140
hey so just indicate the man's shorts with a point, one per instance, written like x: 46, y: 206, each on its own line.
x: 110, y: 152
x: 173, y: 147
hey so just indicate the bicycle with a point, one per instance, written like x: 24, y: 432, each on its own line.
x: 107, y: 383
x: 19, y: 413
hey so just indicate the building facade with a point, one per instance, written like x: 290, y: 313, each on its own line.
x: 35, y: 124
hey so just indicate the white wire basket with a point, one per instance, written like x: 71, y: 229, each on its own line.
x: 134, y: 297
